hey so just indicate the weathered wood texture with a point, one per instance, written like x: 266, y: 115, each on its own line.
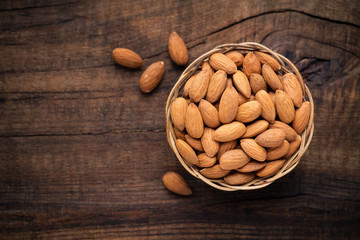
x: 82, y: 150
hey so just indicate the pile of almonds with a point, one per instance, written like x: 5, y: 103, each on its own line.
x: 239, y: 117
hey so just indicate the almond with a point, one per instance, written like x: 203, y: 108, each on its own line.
x: 229, y: 132
x: 221, y: 62
x: 188, y: 85
x: 175, y: 183
x: 209, y: 114
x: 241, y: 83
x: 242, y: 99
x: 278, y: 152
x: 151, y: 77
x: 271, y: 138
x: 269, y: 60
x: 225, y: 146
x: 210, y: 146
x: 127, y: 58
x: 252, y: 166
x: 291, y: 135
x: 214, y: 172
x: 228, y: 105
x: 302, y: 116
x: 253, y: 149
x: 233, y: 159
x: 205, y: 160
x: 257, y: 83
x: 284, y: 106
x: 186, y: 152
x: 239, y: 178
x: 293, y: 88
x: 206, y: 66
x: 271, y: 78
x: 270, y: 168
x: 178, y: 112
x: 193, y: 121
x: 251, y: 64
x: 267, y: 105
x: 199, y: 86
x: 294, y: 145
x: 216, y: 86
x: 179, y: 134
x: 194, y: 143
x: 248, y: 111
x: 177, y: 49
x: 236, y: 57
x: 256, y: 128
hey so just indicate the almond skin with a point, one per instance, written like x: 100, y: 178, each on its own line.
x: 239, y: 178
x: 294, y: 145
x: 217, y: 86
x: 229, y: 132
x: 270, y: 168
x: 256, y: 128
x: 177, y: 49
x: 188, y: 85
x: 228, y: 105
x: 233, y: 159
x: 226, y: 146
x: 175, y: 183
x: 252, y: 166
x: 205, y: 160
x: 193, y: 121
x: 236, y: 57
x: 257, y: 83
x: 292, y: 87
x: 219, y: 61
x: 278, y: 152
x: 291, y: 134
x: 179, y: 134
x: 178, y: 112
x: 251, y: 64
x: 284, y: 106
x: 127, y: 58
x: 214, y: 172
x: 241, y: 83
x: 269, y: 60
x: 199, y: 86
x: 206, y: 66
x: 194, y: 143
x: 267, y: 106
x: 271, y: 78
x: 248, y: 111
x: 253, y: 149
x: 186, y: 152
x: 271, y: 138
x: 152, y: 76
x: 211, y: 147
x: 302, y: 116
x: 209, y: 114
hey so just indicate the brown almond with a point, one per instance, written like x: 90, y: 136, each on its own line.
x: 284, y: 106
x: 216, y: 86
x: 229, y: 132
x: 294, y: 145
x: 220, y: 61
x: 239, y: 178
x: 206, y: 66
x: 179, y: 134
x: 211, y: 147
x: 267, y: 105
x: 251, y: 64
x: 177, y: 49
x: 214, y: 172
x: 256, y: 128
x: 271, y: 138
x: 186, y: 152
x: 253, y: 149
x: 291, y: 134
x: 233, y: 159
x: 224, y: 147
x: 248, y: 111
x: 193, y: 121
x: 188, y: 85
x: 270, y: 168
x: 292, y: 87
x: 257, y: 83
x: 205, y: 160
x: 228, y: 105
x: 127, y: 58
x: 252, y: 166
x: 194, y: 143
x: 209, y: 114
x: 175, y: 183
x: 178, y: 112
x: 278, y: 152
x: 269, y: 60
x: 152, y: 76
x: 241, y: 83
x: 302, y: 116
x: 271, y: 78
x: 199, y: 86
x: 236, y: 57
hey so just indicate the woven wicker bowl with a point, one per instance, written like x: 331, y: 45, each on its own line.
x: 286, y: 66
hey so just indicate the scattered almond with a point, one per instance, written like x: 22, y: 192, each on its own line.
x: 151, y: 77
x: 177, y: 49
x: 127, y: 58
x: 175, y: 183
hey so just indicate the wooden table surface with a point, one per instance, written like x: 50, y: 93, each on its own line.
x: 82, y: 150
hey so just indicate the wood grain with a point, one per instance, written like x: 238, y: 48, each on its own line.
x: 82, y: 150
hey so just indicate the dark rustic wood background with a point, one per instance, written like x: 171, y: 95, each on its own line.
x: 82, y: 150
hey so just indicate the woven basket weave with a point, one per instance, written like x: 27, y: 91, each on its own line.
x: 286, y: 66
